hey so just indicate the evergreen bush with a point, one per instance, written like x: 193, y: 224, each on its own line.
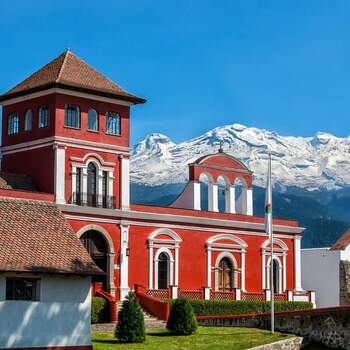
x: 130, y: 327
x: 99, y: 310
x: 182, y: 320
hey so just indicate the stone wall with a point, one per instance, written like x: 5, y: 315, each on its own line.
x: 330, y: 326
x: 344, y: 282
x: 294, y: 343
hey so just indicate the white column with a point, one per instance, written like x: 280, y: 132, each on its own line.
x: 230, y: 205
x: 284, y: 272
x: 176, y: 282
x: 206, y: 293
x: 250, y: 201
x: 110, y: 179
x: 74, y: 182
x: 84, y: 185
x: 196, y: 195
x: 60, y: 162
x: 263, y: 270
x: 150, y: 266
x: 243, y: 271
x: 124, y: 261
x: 209, y: 268
x: 125, y: 183
x: 297, y: 264
x: 99, y: 191
x: 171, y: 267
x: 110, y: 269
x: 213, y: 197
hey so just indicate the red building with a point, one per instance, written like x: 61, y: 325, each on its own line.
x: 67, y: 128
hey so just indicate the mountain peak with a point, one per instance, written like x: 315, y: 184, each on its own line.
x: 310, y: 163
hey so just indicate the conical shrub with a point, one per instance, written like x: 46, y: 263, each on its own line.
x: 182, y: 320
x: 131, y: 326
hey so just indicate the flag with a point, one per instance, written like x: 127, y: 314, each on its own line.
x: 268, y: 202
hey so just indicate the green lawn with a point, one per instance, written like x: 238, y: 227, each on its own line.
x: 206, y: 338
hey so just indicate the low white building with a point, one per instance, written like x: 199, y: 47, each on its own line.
x: 45, y: 278
x: 327, y: 272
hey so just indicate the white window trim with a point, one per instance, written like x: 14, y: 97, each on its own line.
x: 170, y: 273
x: 233, y: 260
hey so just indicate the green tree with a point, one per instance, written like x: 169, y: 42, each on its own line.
x: 182, y: 320
x: 130, y: 327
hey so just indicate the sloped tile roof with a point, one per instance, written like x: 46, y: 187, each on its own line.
x: 9, y: 181
x: 70, y: 72
x: 342, y: 242
x: 35, y: 237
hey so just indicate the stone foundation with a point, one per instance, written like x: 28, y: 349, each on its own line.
x: 344, y: 282
x: 286, y: 344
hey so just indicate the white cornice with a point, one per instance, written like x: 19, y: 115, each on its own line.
x: 65, y: 92
x: 65, y: 141
x: 185, y: 220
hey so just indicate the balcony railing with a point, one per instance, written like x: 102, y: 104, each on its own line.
x: 93, y: 200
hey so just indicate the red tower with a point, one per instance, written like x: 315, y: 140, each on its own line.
x: 67, y: 127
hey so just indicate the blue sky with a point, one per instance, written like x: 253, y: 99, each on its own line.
x: 280, y: 65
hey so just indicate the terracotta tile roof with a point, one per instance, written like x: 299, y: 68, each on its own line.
x: 342, y: 242
x: 11, y: 181
x: 35, y: 237
x: 70, y: 72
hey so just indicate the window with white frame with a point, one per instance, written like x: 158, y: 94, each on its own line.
x: 44, y: 116
x: 113, y: 123
x: 72, y: 116
x: 28, y: 120
x: 92, y: 120
x: 13, y: 124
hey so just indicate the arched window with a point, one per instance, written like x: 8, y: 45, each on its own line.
x: 276, y: 273
x: 163, y: 271
x: 13, y: 124
x: 72, y: 116
x: 226, y: 278
x: 240, y: 195
x: 28, y: 120
x: 112, y: 123
x: 222, y: 193
x: 91, y: 185
x: 44, y: 116
x: 92, y: 120
x: 204, y: 180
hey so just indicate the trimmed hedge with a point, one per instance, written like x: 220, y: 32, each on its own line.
x: 99, y: 310
x: 239, y: 307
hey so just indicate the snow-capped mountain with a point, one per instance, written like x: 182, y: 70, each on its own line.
x: 319, y: 162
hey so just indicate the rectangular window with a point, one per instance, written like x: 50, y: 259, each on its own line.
x: 22, y: 289
x: 105, y: 199
x: 44, y: 116
x: 13, y: 124
x: 72, y: 116
x: 113, y: 123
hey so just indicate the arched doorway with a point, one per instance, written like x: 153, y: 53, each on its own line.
x: 163, y: 270
x: 225, y: 275
x: 92, y: 185
x: 96, y: 245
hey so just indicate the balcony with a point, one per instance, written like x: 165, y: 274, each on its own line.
x: 93, y: 200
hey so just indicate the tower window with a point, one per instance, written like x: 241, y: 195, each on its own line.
x: 92, y: 120
x: 44, y: 116
x: 13, y: 124
x: 28, y: 120
x: 113, y: 123
x: 72, y: 116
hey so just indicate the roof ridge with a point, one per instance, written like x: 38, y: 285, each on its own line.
x: 62, y: 66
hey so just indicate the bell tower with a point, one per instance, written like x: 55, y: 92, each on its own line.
x: 67, y: 127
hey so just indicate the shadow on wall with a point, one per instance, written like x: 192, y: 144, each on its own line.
x: 61, y: 317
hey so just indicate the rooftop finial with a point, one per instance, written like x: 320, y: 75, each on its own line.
x: 221, y: 150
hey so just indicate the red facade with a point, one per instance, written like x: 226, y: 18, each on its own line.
x: 87, y: 174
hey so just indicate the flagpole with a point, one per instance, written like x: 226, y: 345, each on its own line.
x: 272, y: 289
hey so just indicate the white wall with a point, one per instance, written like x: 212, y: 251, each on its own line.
x: 60, y: 318
x: 320, y: 273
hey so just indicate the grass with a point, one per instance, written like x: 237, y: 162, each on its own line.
x: 213, y: 338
